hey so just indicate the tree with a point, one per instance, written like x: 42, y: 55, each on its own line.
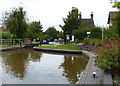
x: 60, y: 34
x: 35, y: 30
x: 51, y: 33
x: 71, y: 23
x: 116, y: 22
x: 96, y: 33
x: 80, y: 34
x: 6, y: 35
x: 15, y: 21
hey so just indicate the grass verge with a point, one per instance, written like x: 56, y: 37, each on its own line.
x: 61, y: 47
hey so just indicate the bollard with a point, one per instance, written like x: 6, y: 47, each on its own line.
x: 94, y: 74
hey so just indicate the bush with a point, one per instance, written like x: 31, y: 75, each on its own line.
x: 96, y: 33
x: 78, y: 41
x: 111, y: 33
x: 80, y: 34
x: 92, y: 41
x: 108, y: 55
x: 6, y: 35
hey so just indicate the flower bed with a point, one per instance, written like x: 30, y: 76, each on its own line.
x: 108, y: 55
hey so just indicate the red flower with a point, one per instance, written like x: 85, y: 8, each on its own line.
x: 102, y: 57
x: 111, y: 57
x: 94, y: 64
x: 110, y: 47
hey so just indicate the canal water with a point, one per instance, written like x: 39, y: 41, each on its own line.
x: 26, y: 66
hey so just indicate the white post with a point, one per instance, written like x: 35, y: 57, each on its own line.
x: 73, y: 38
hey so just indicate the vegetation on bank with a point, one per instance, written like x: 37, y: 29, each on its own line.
x: 109, y: 57
x: 62, y: 47
x: 92, y: 41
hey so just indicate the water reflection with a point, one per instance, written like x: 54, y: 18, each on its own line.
x: 72, y: 67
x: 30, y: 66
x: 16, y: 61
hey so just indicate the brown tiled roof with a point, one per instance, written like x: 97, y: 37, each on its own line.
x: 89, y: 22
x: 111, y: 16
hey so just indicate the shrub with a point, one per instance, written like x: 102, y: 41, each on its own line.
x: 7, y: 35
x: 96, y: 33
x: 108, y: 55
x: 92, y: 41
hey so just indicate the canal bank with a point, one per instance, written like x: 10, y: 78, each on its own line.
x: 9, y: 48
x: 58, y: 50
x: 101, y: 77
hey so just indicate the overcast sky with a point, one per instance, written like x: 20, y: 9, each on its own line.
x: 51, y: 12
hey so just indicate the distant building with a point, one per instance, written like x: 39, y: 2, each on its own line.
x: 111, y: 17
x: 88, y: 21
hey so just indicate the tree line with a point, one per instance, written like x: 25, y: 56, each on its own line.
x: 15, y: 25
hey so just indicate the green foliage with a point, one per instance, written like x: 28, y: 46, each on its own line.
x: 117, y: 5
x: 35, y: 30
x: 108, y: 54
x: 51, y: 33
x: 6, y: 35
x: 116, y: 22
x: 96, y: 33
x: 114, y: 30
x: 63, y: 47
x: 92, y: 41
x: 111, y: 33
x: 15, y: 21
x: 109, y: 57
x: 60, y: 34
x: 81, y: 33
x: 72, y: 22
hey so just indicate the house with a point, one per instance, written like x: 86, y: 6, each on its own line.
x: 88, y: 21
x: 111, y: 17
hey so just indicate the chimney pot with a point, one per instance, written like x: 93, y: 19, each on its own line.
x: 80, y: 15
x: 91, y: 15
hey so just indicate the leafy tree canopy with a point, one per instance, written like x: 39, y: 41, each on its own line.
x: 35, y: 30
x: 72, y: 22
x: 51, y: 33
x: 15, y: 21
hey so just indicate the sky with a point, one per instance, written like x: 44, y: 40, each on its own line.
x: 52, y: 12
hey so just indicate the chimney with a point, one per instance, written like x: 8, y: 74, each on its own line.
x: 74, y: 8
x: 91, y: 15
x: 79, y: 15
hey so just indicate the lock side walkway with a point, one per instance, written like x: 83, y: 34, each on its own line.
x: 101, y: 76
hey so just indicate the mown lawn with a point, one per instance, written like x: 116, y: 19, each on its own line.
x: 63, y: 47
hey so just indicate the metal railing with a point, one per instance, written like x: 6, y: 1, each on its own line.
x: 13, y: 41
